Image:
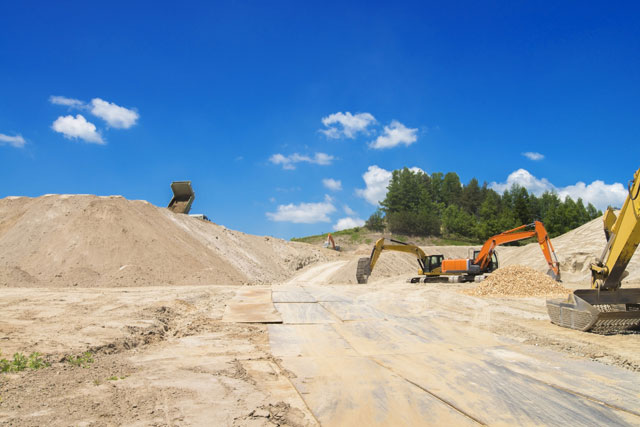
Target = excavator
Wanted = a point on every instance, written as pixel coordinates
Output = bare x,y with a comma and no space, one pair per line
330,243
482,261
606,307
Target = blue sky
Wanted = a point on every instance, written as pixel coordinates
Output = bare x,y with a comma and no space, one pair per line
232,96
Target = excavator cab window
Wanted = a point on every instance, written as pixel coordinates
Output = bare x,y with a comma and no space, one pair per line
493,264
434,261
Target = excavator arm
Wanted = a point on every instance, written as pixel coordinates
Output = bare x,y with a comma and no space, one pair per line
520,233
623,237
366,265
606,306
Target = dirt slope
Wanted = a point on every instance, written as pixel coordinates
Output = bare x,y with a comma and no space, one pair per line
84,240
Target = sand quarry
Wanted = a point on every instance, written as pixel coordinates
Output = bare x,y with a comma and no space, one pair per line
190,323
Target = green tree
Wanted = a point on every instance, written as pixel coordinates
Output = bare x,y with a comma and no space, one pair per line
376,221
471,197
451,189
458,222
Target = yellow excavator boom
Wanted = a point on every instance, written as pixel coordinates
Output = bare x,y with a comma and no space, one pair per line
606,306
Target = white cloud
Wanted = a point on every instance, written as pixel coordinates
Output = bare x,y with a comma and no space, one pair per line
288,162
114,115
598,193
532,155
77,127
395,134
349,211
523,178
349,125
68,102
14,141
344,223
377,181
332,184
416,169
304,213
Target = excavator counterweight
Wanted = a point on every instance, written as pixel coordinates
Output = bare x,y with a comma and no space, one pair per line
605,307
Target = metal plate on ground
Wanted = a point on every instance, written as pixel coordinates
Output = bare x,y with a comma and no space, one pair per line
350,311
495,394
292,295
304,313
251,306
355,391
307,340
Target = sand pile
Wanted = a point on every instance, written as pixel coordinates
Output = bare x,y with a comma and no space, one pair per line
83,240
519,281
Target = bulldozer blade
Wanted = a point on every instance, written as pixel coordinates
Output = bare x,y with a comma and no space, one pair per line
598,311
363,271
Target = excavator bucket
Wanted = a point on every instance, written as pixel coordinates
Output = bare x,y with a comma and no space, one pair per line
553,275
183,196
597,311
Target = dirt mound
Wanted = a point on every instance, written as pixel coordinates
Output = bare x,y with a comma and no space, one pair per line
83,240
519,281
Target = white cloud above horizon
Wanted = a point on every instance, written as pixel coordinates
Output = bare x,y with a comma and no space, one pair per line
332,184
304,213
68,102
532,155
289,162
597,193
393,135
376,180
348,222
346,125
349,211
16,141
77,127
116,116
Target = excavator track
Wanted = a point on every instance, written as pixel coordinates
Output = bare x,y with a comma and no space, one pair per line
363,271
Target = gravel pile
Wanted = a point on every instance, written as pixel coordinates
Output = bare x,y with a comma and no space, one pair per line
520,281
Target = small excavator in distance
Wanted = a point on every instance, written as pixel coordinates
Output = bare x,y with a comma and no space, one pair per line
330,243
606,307
482,261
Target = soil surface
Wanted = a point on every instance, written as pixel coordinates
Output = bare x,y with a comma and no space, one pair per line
145,290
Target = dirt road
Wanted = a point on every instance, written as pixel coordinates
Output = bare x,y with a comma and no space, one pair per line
381,354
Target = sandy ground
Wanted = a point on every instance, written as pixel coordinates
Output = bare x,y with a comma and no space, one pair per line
163,356
146,292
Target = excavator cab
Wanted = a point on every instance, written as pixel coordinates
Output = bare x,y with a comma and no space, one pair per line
433,262
493,262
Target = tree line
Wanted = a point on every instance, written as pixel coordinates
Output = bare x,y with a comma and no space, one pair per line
420,204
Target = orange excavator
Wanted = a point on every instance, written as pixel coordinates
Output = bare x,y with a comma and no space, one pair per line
482,261
485,260
330,243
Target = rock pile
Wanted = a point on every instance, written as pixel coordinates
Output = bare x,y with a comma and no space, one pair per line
518,280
